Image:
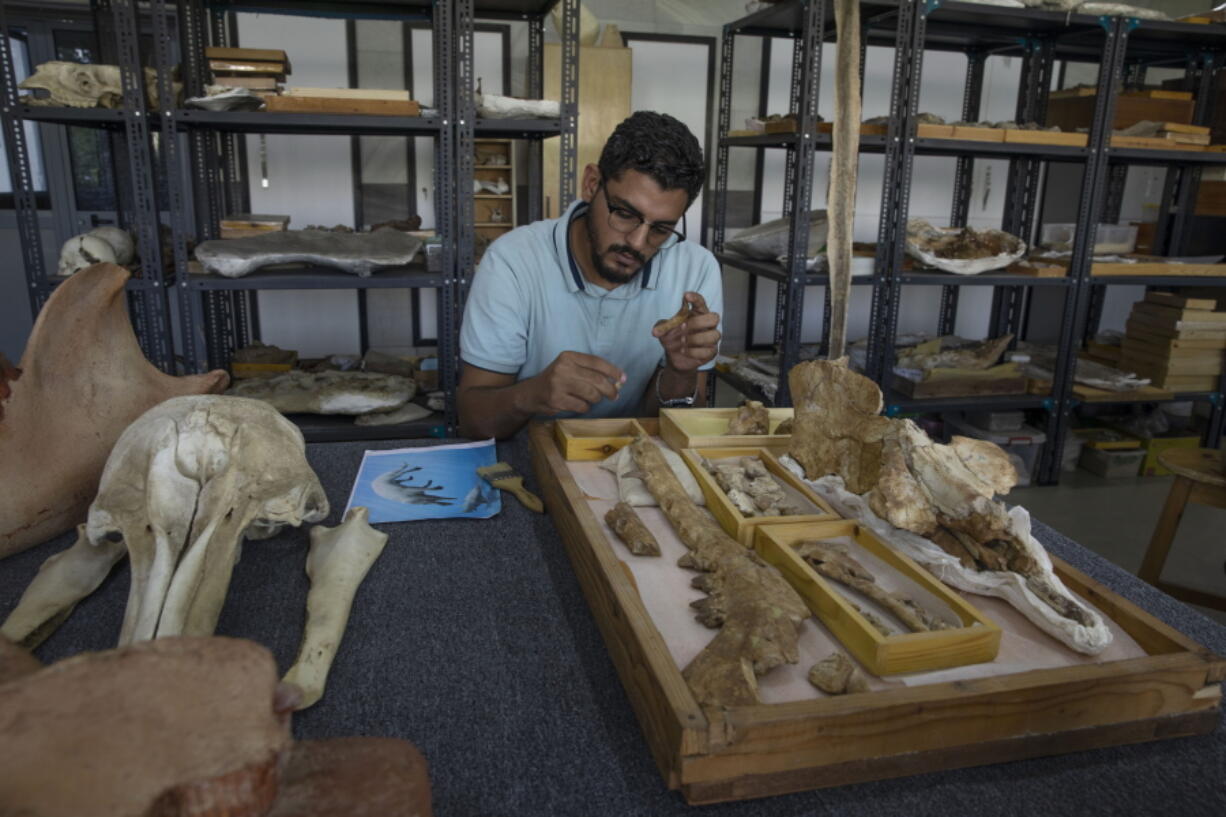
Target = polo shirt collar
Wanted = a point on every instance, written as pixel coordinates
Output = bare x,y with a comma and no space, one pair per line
575,282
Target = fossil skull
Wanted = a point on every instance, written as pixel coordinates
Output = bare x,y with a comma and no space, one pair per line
84,86
103,245
185,483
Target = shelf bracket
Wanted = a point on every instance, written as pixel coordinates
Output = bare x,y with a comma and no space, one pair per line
1049,404
1130,23
893,410
929,7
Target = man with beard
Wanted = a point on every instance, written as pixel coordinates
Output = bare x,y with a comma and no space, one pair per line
562,316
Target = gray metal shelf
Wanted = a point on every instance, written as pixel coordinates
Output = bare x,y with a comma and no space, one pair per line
96,117
517,128
308,123
898,403
1159,280
312,277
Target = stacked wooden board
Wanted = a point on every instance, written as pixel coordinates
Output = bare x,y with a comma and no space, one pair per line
257,69
1176,341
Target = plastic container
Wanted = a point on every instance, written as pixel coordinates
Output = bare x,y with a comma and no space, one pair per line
1112,462
1023,445
1071,454
997,420
1110,239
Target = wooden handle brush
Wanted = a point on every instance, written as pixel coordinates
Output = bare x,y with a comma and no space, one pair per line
503,476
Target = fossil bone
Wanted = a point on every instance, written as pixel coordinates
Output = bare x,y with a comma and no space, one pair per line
329,392
339,560
751,418
834,562
836,675
76,85
757,611
750,487
623,521
935,502
85,380
931,355
62,581
665,325
844,164
359,253
183,486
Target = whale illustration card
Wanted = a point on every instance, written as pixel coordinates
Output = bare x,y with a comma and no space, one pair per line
428,482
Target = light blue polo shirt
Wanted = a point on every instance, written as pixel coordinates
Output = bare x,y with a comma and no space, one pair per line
529,303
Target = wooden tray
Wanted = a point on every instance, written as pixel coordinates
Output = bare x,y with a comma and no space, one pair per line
974,134
737,525
753,751
595,439
975,642
706,427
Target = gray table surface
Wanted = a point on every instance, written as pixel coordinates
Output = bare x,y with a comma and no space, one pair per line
472,639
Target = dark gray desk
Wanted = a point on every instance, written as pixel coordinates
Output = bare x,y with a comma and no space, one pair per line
472,639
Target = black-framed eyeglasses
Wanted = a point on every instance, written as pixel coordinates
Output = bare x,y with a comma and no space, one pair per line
625,221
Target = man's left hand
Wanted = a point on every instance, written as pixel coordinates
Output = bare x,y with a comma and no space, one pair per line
693,343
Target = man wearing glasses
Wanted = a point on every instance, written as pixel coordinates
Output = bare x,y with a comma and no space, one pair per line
561,318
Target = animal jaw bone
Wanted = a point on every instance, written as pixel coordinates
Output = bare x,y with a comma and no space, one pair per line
758,613
182,487
339,560
62,581
75,85
936,502
833,562
84,380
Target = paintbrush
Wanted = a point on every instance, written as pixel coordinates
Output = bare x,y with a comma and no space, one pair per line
503,476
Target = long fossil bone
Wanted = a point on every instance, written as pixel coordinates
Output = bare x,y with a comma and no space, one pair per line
758,613
62,581
845,159
84,380
184,484
339,560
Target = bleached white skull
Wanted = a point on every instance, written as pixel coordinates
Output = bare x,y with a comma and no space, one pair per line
185,483
83,251
85,86
120,241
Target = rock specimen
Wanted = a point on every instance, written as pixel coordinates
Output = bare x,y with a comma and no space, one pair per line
339,560
328,392
405,414
83,380
836,675
751,418
751,487
835,563
124,726
965,250
622,519
890,472
757,611
933,355
359,253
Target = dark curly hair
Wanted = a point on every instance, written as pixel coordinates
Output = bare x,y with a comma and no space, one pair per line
658,145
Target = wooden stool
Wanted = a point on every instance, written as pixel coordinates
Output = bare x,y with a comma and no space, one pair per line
1199,477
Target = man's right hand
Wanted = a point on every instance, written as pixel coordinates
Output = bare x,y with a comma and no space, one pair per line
573,382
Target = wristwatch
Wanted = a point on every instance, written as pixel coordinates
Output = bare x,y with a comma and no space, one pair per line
676,402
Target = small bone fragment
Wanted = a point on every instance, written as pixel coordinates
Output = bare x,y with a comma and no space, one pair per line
622,519
751,418
669,324
875,620
833,562
785,427
339,560
62,581
760,612
836,675
743,502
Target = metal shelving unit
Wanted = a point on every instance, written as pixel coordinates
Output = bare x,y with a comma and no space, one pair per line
1039,38
148,303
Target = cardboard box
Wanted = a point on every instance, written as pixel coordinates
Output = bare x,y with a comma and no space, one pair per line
1156,445
1111,462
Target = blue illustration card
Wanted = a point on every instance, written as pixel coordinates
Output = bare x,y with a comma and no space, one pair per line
432,482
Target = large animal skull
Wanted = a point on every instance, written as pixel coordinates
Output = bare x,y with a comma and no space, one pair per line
84,86
102,245
184,484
